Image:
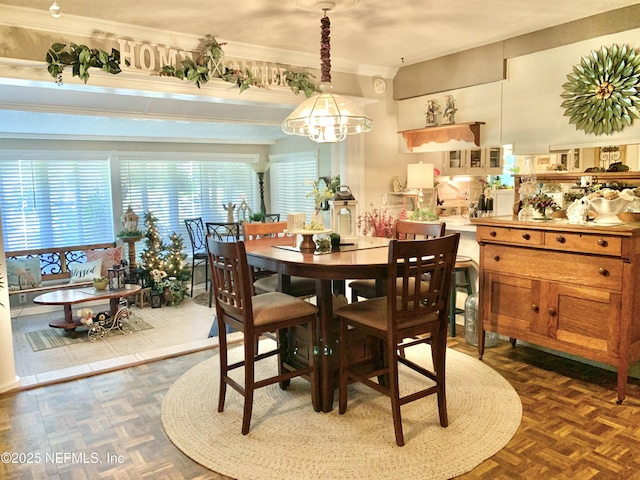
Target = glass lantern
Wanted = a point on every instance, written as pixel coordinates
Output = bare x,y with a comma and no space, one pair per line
344,218
116,277
130,220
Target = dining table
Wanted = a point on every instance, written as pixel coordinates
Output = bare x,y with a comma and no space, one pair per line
364,258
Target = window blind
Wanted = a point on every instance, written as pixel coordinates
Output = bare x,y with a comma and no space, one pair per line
174,189
288,174
61,200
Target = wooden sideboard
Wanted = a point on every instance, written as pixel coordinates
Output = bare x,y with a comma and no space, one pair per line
566,287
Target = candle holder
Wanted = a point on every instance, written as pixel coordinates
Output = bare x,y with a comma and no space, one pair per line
116,277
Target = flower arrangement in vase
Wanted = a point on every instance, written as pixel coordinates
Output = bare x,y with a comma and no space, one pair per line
378,223
543,204
174,290
319,194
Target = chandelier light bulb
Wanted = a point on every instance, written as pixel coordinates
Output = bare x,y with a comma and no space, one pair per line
54,10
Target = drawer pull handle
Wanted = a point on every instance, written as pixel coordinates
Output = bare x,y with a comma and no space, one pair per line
552,312
526,236
492,233
496,258
535,307
602,242
560,239
603,271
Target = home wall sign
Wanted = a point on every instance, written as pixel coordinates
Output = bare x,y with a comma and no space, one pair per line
196,66
151,58
601,95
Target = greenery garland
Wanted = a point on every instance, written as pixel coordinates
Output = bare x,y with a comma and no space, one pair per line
601,96
81,58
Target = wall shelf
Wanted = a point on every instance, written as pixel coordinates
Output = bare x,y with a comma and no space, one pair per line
466,132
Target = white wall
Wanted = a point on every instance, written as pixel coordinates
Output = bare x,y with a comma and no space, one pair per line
481,103
382,159
524,110
532,117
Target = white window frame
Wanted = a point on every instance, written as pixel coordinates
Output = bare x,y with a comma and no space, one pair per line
287,177
55,198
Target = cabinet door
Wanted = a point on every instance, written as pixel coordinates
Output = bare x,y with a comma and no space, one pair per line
454,161
493,161
583,321
474,162
298,350
509,304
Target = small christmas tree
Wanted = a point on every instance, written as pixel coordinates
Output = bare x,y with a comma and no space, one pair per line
174,259
152,254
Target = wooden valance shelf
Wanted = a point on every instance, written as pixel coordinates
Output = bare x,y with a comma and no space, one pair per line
466,132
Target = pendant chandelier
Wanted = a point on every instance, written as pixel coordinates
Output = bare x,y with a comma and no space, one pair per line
326,118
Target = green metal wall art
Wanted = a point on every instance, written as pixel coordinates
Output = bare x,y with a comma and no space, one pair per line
601,95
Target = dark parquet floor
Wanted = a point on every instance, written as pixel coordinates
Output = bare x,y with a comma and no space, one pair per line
109,427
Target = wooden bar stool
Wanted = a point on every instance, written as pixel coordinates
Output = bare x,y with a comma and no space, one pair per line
463,265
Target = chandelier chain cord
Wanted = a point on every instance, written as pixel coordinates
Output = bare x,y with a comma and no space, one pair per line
325,48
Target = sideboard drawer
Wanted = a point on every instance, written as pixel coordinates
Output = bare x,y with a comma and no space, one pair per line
518,236
584,243
589,271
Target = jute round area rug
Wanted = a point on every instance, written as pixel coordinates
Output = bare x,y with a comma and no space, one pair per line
289,440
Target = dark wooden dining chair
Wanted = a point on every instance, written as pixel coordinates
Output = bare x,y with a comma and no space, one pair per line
421,310
197,237
402,229
268,281
271,217
254,315
223,232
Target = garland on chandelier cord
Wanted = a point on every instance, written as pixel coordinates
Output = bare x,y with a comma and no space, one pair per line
325,49
207,66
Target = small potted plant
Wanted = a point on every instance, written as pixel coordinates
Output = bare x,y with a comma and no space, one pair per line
323,245
257,217
335,240
100,283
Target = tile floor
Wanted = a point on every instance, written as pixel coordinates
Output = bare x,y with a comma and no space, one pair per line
176,330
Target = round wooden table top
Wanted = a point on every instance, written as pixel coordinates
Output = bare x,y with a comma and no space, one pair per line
368,258
72,296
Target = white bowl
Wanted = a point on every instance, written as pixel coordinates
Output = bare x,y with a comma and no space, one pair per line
608,210
602,206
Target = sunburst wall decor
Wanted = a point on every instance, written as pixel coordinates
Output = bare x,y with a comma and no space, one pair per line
601,96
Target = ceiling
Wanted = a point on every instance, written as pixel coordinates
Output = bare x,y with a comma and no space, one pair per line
375,33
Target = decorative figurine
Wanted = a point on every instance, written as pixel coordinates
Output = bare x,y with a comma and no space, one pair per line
229,209
244,212
450,110
577,211
433,109
398,186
